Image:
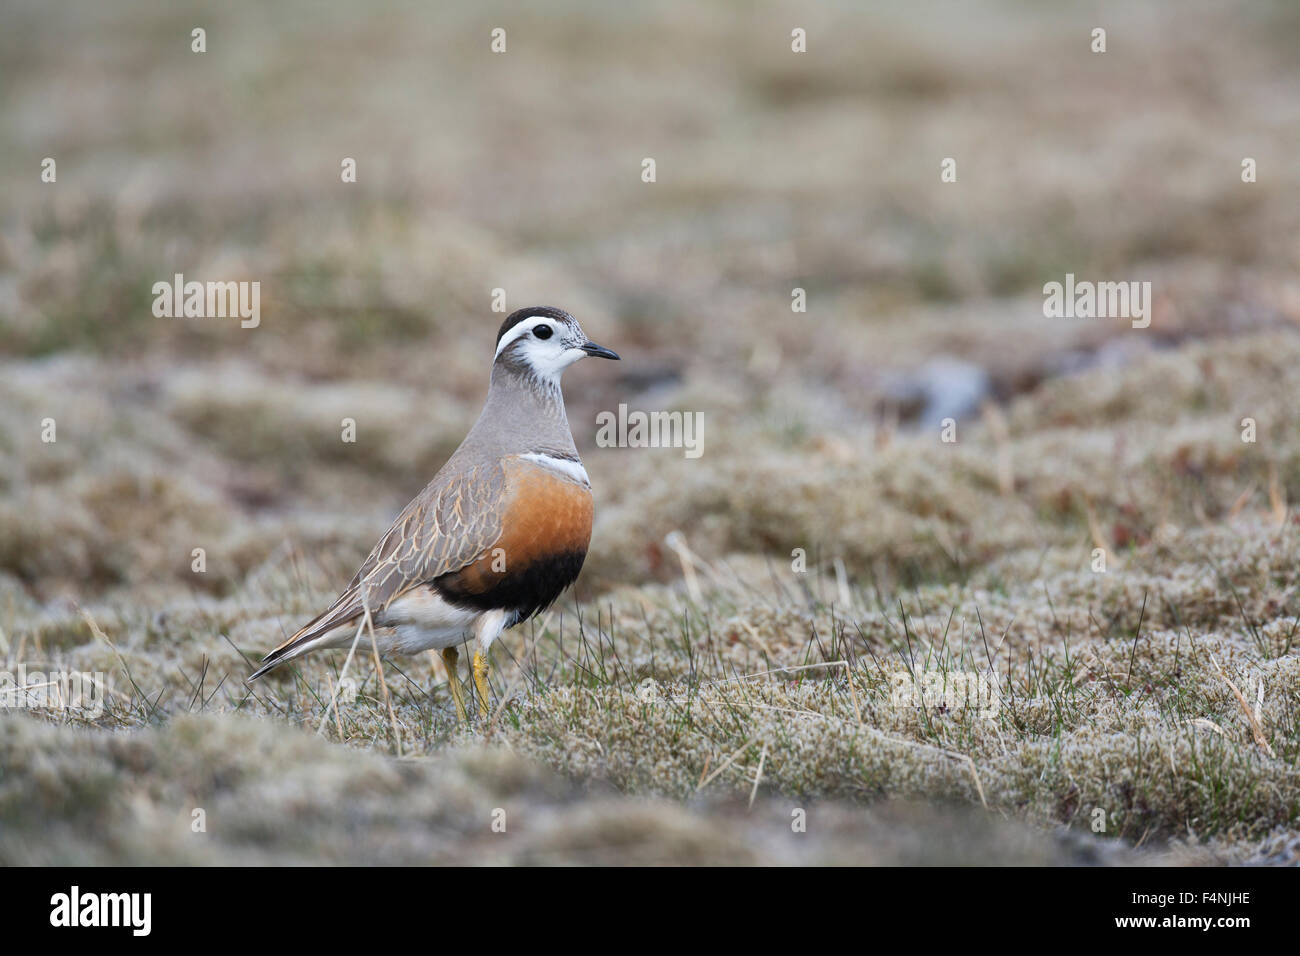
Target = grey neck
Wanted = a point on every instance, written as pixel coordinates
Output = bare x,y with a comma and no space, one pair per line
523,414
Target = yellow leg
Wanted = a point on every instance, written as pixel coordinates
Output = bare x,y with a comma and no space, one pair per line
450,656
481,668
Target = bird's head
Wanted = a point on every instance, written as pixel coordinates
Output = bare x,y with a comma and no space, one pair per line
541,342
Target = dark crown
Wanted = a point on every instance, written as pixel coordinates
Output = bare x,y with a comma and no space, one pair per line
542,311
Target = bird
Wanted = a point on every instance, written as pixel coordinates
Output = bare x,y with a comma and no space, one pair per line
497,535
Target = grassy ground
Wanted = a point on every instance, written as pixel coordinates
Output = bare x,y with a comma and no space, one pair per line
790,622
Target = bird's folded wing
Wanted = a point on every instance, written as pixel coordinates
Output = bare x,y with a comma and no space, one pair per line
450,524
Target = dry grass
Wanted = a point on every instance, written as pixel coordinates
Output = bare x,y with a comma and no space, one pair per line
639,718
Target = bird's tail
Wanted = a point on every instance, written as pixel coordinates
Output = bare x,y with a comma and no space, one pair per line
316,633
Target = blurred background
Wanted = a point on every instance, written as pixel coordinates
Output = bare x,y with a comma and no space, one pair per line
521,171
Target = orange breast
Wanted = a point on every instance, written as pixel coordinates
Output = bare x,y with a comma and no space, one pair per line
547,515
547,524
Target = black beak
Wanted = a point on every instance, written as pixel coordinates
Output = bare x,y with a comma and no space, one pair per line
591,348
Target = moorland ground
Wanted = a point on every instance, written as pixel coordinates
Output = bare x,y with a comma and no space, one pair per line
751,623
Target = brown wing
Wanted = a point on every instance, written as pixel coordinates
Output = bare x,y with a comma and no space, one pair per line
449,525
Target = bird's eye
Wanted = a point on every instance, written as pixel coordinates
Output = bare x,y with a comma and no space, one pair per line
542,331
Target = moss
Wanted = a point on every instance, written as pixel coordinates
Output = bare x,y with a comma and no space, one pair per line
642,707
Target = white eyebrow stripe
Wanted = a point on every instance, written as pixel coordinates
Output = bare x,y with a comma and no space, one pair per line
565,466
518,329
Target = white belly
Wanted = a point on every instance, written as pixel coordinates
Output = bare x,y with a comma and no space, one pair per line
421,620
